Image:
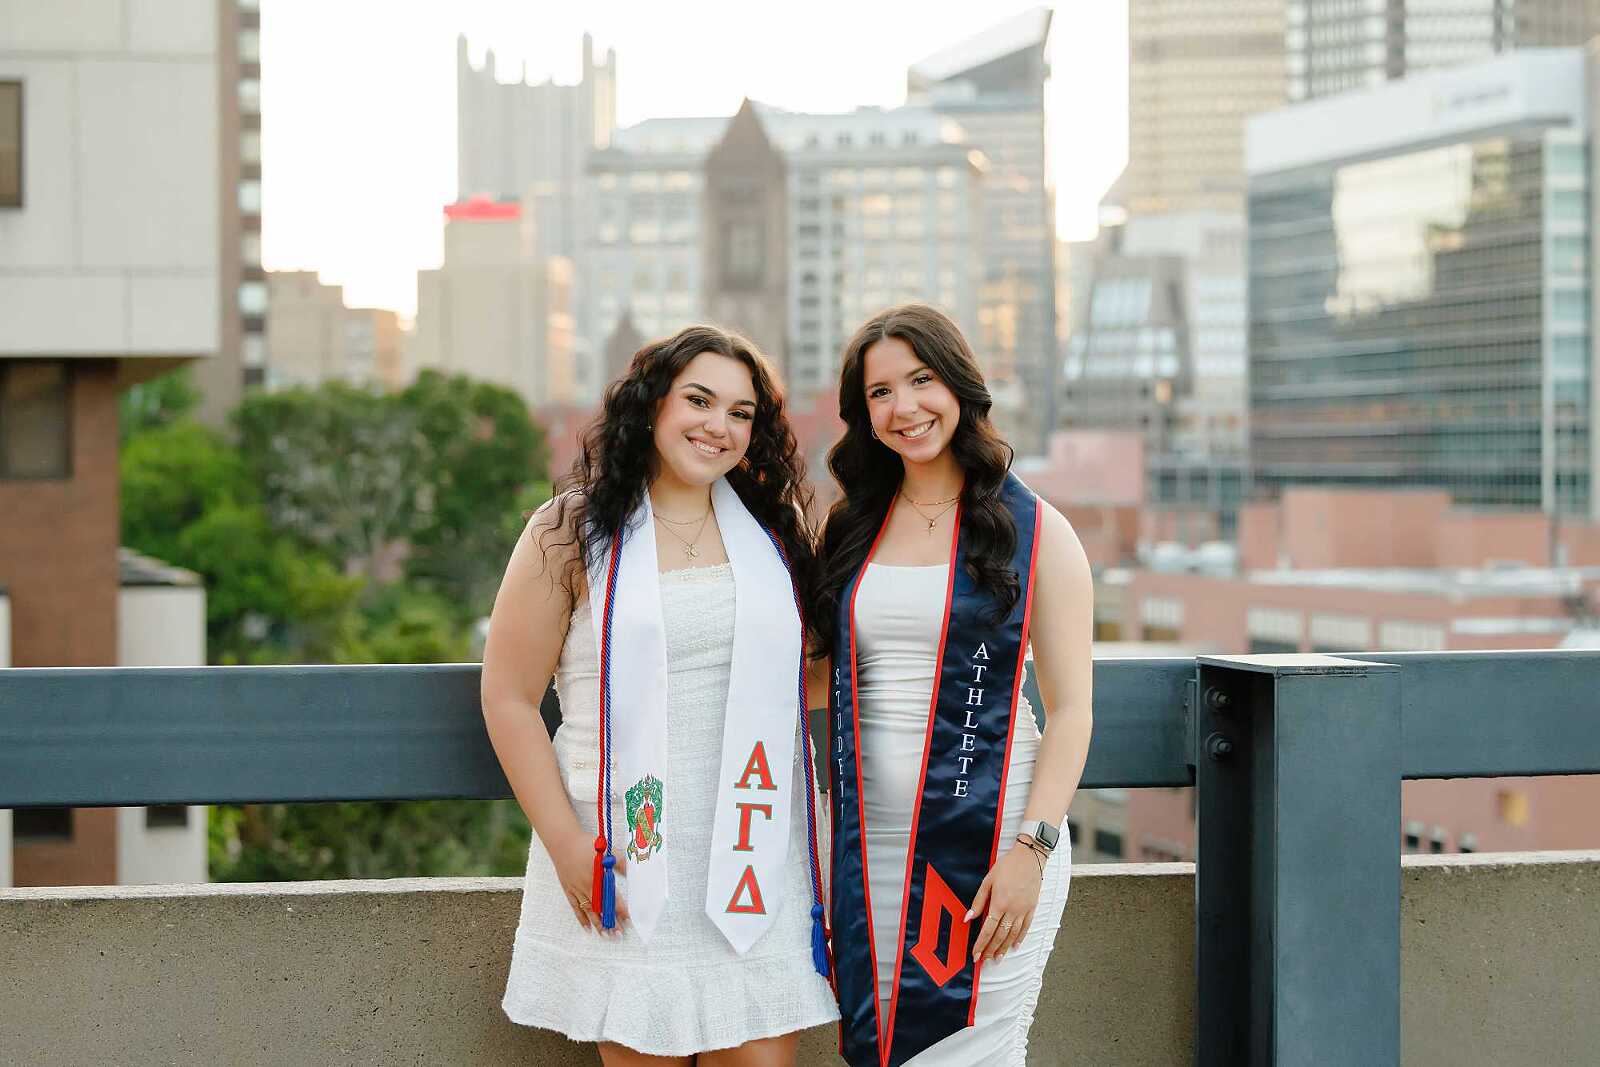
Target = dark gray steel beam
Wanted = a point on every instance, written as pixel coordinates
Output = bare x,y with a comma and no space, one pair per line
1297,939
1498,714
97,736
92,736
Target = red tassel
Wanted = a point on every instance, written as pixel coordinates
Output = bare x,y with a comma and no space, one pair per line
599,888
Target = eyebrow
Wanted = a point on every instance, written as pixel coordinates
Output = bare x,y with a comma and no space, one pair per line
913,372
712,393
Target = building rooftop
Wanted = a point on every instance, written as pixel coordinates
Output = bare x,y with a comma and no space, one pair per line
1026,30
1532,85
142,570
793,130
1456,583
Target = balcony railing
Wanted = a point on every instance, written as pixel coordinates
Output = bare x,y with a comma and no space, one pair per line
1297,761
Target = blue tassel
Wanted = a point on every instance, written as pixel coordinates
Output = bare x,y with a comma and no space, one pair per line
608,895
819,943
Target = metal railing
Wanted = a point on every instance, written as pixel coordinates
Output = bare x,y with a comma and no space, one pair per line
1297,761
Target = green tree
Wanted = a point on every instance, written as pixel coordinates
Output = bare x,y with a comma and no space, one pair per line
304,842
338,468
285,526
172,476
487,464
188,498
155,403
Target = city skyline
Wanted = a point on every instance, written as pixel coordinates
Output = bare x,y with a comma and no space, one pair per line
360,144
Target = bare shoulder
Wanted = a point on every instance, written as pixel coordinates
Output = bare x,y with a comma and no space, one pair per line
550,544
556,515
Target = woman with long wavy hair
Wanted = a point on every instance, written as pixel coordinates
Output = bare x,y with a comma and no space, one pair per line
672,907
938,571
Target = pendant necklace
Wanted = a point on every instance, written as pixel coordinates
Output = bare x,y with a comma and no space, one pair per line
934,519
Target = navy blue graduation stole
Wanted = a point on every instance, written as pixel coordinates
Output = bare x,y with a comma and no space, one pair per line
955,827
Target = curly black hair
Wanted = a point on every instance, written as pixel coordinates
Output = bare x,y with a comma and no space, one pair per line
617,460
869,472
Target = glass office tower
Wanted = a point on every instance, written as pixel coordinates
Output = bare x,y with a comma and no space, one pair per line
1419,288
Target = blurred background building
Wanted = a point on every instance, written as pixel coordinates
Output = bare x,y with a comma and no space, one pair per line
1333,45
530,142
993,84
240,359
496,310
1420,287
315,337
113,232
871,208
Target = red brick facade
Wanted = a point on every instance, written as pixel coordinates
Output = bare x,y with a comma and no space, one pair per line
58,562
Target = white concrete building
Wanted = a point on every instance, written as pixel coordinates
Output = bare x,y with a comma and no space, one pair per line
113,250
161,622
884,206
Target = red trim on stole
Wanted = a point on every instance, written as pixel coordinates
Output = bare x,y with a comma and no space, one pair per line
1011,729
886,1040
861,803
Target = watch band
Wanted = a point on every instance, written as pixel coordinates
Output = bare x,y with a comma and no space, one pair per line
1042,832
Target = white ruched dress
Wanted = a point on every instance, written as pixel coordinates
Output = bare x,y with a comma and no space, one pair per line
686,991
899,611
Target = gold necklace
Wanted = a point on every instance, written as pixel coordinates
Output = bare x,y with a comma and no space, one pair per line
681,522
689,548
948,504
929,503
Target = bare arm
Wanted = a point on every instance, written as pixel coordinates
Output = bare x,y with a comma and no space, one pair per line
1063,661
526,632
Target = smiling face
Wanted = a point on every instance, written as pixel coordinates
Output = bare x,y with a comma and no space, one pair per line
912,411
702,425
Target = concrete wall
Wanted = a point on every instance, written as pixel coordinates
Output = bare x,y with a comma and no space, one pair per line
161,626
1501,965
115,249
148,855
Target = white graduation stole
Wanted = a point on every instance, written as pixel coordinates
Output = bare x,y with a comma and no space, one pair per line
750,835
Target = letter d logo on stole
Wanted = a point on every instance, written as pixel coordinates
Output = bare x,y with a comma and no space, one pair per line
941,909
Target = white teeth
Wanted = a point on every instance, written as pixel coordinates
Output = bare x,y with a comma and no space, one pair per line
916,432
708,450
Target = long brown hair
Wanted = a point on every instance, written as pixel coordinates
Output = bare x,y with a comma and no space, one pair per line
869,472
618,458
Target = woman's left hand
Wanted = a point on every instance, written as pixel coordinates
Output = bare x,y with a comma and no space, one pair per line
1009,893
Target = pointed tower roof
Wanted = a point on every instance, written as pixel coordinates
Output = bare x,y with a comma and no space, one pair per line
620,347
745,140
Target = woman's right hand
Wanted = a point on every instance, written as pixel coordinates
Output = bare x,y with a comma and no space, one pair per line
573,857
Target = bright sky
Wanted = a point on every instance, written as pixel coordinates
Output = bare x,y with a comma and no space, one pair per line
359,121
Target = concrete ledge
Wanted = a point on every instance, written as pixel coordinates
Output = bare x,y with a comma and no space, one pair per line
1500,959
1501,965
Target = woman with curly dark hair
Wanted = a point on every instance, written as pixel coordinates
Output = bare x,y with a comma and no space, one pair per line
672,906
938,570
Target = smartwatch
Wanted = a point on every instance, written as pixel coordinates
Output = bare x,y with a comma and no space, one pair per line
1042,832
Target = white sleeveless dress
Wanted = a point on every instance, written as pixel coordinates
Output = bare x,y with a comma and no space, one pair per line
899,612
687,991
